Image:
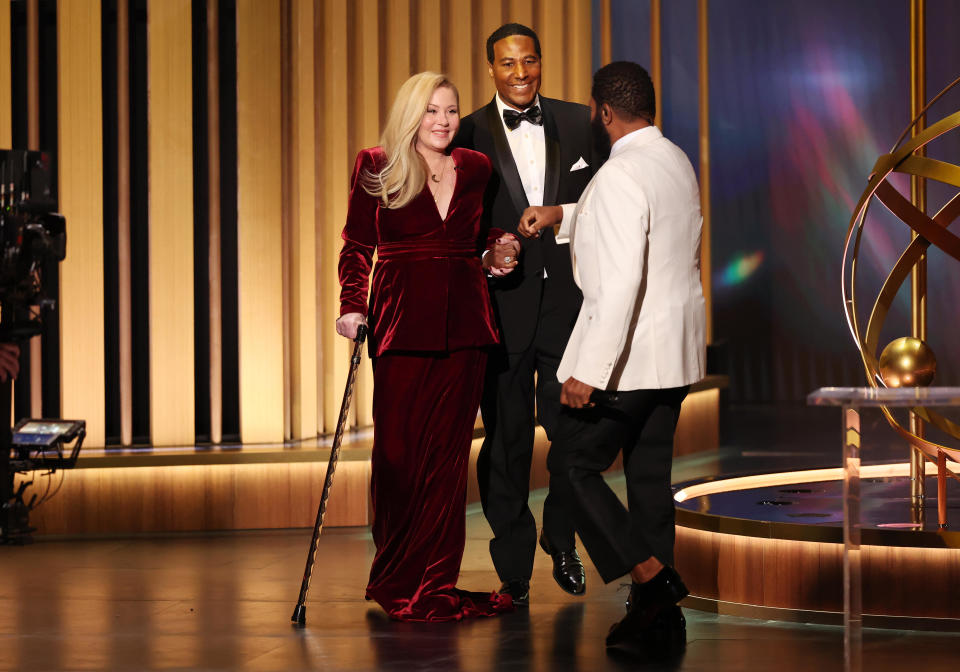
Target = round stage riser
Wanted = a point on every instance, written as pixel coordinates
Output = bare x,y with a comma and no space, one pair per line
808,575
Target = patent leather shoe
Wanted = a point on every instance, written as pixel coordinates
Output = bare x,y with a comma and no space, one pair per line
567,568
664,589
654,622
656,634
518,590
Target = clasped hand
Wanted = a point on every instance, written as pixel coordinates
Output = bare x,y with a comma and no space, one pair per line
502,257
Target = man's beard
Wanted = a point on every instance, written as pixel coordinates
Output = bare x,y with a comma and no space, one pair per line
601,139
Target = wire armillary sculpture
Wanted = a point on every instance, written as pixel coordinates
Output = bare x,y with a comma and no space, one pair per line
902,158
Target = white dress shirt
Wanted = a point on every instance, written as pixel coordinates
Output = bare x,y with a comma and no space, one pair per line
529,151
635,246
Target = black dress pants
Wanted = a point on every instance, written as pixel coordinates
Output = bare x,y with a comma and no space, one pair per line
503,466
588,440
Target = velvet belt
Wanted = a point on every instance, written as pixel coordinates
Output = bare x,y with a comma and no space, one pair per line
425,249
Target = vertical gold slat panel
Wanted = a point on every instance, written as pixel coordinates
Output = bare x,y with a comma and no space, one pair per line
366,99
6,112
320,202
656,48
6,81
579,51
81,201
288,191
259,223
33,74
33,142
549,27
703,77
170,170
606,33
397,53
214,266
429,37
521,11
491,18
461,51
123,261
303,286
335,166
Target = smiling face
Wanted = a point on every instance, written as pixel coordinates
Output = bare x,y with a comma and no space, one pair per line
516,70
440,120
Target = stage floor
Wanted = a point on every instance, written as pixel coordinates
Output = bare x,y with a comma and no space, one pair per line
223,602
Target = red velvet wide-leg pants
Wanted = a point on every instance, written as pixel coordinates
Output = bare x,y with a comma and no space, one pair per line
424,408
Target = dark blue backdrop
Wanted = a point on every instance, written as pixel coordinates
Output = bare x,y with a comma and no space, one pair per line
803,99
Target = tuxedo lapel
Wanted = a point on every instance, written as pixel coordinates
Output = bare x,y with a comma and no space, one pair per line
508,168
551,136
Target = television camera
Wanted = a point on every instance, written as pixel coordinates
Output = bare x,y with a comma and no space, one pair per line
32,240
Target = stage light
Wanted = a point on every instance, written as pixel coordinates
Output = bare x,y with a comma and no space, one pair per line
741,268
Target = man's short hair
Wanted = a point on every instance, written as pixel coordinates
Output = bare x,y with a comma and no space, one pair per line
508,29
627,88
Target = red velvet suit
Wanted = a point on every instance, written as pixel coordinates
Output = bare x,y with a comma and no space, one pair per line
430,320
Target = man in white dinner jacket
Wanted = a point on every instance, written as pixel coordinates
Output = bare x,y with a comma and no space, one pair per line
639,342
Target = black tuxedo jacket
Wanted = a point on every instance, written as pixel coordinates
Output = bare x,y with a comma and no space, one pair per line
568,140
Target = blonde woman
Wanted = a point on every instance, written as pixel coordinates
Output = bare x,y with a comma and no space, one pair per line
431,322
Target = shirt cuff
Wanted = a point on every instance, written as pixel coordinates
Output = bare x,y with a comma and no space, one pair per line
485,270
562,233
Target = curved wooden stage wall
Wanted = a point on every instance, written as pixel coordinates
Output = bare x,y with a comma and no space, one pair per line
774,576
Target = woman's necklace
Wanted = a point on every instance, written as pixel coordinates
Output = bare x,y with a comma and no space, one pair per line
438,180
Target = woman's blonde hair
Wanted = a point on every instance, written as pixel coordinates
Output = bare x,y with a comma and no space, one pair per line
405,173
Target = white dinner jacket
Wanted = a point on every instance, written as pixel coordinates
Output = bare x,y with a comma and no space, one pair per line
635,245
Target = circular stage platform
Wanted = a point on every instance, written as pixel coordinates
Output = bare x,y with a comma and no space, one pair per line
771,546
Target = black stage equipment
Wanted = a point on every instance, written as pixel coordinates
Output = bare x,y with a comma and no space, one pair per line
33,240
300,611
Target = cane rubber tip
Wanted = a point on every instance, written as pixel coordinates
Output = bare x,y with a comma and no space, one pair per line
299,614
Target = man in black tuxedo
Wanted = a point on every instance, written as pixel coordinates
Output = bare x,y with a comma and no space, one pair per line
542,154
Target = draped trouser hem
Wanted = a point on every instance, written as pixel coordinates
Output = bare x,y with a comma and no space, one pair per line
424,409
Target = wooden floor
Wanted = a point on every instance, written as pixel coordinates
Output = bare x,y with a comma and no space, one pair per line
223,602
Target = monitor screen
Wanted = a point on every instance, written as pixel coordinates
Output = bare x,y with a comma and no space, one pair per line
43,432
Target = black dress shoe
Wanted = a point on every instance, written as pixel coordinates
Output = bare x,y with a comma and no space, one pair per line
653,620
567,568
519,590
656,634
665,588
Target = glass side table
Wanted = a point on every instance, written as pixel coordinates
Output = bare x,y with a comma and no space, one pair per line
851,399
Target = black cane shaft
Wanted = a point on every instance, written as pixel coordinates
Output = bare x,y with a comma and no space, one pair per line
299,612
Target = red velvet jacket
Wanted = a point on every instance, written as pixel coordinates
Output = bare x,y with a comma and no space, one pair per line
429,290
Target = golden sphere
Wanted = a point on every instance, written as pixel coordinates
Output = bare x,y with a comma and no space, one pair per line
907,362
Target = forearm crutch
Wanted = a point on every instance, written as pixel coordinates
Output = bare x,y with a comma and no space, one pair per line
300,611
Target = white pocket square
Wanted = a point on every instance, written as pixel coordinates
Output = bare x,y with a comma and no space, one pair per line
579,165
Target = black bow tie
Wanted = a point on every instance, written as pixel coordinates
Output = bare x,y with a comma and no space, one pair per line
512,118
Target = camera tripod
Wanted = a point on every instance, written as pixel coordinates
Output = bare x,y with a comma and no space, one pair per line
14,512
